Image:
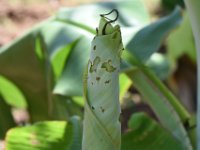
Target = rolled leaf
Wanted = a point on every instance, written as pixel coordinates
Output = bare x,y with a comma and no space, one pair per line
102,129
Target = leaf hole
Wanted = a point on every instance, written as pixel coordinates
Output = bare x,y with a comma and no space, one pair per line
108,66
107,81
94,64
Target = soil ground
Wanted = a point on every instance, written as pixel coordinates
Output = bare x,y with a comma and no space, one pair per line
16,16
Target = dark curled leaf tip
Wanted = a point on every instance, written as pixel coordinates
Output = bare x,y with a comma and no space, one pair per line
110,20
114,10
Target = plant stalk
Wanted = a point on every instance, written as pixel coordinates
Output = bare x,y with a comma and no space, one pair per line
193,8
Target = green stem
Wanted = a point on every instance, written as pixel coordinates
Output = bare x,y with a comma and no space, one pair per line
162,101
193,7
183,113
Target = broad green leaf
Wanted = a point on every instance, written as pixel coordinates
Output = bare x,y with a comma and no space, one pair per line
146,134
20,64
6,119
59,60
47,135
26,62
149,39
69,83
12,94
61,35
101,89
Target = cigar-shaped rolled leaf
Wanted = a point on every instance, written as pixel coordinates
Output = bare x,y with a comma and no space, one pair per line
102,129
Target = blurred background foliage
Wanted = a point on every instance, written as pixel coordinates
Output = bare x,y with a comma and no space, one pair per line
44,51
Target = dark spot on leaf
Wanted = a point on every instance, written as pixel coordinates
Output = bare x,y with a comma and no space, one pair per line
97,31
98,78
107,81
94,48
120,52
102,109
94,65
93,108
108,66
92,83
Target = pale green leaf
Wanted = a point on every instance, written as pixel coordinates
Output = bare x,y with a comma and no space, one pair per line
101,87
149,39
